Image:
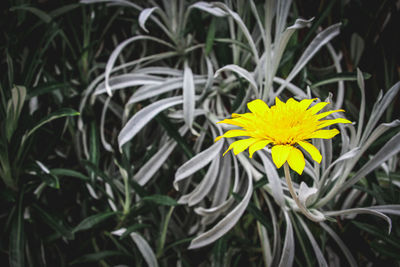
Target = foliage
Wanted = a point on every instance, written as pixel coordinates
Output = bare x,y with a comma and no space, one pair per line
135,176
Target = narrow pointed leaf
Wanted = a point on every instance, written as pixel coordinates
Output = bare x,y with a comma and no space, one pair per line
144,15
188,96
223,226
197,162
144,116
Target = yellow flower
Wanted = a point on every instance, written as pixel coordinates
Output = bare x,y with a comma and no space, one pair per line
285,127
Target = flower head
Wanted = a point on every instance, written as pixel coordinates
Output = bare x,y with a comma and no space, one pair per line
285,127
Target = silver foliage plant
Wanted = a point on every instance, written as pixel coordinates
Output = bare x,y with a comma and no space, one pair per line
193,92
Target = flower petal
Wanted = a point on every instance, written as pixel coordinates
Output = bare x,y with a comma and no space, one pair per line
327,113
330,122
317,107
241,145
305,103
278,103
324,134
296,160
292,102
312,150
280,154
236,121
258,107
257,146
233,133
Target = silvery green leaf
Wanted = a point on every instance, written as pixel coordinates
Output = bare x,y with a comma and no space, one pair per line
361,85
318,253
216,209
145,249
356,48
310,171
348,155
144,15
149,91
210,75
204,187
284,38
142,245
291,87
118,232
391,148
128,80
378,109
206,184
178,114
259,22
336,58
320,40
243,27
273,179
223,226
143,116
306,194
119,2
14,107
362,211
209,8
241,72
146,60
114,55
328,153
276,245
197,162
159,71
282,11
221,190
106,145
41,166
288,247
18,95
381,129
219,204
156,161
33,104
114,107
197,146
265,244
387,209
111,197
188,95
245,161
339,242
91,191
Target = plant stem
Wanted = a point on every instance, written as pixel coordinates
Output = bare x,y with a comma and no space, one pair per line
294,195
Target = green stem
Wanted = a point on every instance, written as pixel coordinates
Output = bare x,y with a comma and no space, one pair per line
294,195
127,203
160,248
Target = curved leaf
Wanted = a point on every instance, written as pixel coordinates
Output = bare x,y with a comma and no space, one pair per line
143,116
197,162
188,96
288,247
144,15
226,223
241,72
